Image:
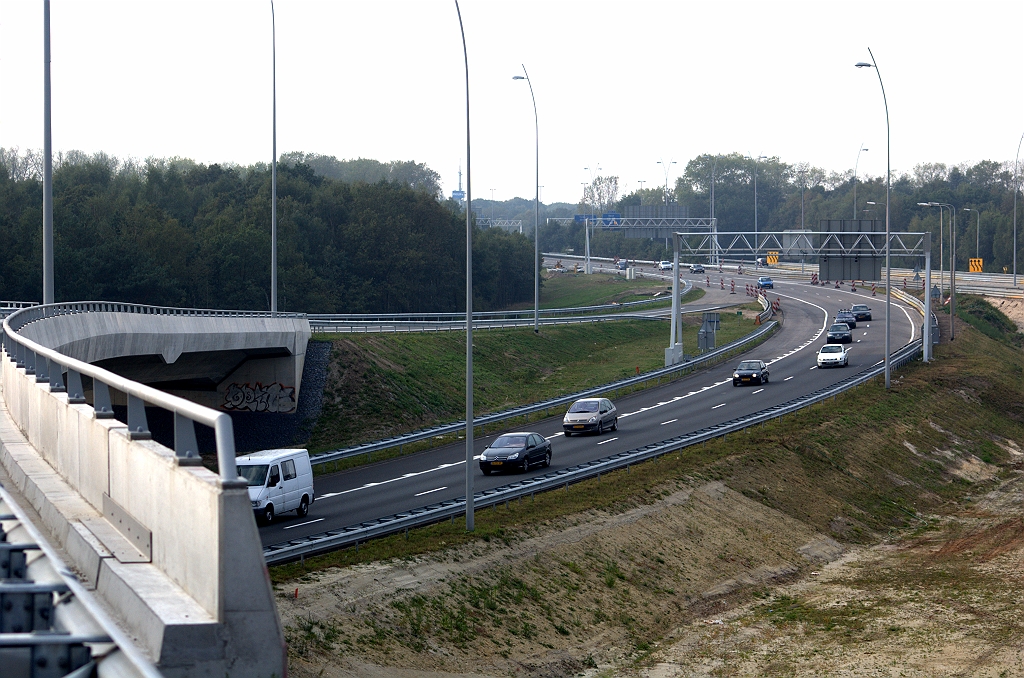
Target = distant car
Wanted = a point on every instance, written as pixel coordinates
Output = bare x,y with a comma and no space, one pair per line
839,334
750,372
623,264
765,283
833,355
861,312
845,316
590,414
664,265
517,451
696,268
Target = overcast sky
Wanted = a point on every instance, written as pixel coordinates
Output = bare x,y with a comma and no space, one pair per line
619,85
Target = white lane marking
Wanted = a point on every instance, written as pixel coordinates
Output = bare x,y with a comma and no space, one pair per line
368,486
668,422
865,334
308,522
757,391
717,406
787,378
561,433
608,441
815,367
438,489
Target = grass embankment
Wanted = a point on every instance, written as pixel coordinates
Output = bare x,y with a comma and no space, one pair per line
380,385
869,464
571,290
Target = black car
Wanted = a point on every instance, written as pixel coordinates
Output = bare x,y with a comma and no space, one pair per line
519,451
839,334
750,372
696,268
844,316
622,264
861,312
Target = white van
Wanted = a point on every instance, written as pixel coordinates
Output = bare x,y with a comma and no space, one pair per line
279,481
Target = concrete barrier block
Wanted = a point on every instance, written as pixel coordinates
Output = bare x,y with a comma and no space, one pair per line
51,413
86,552
68,445
94,470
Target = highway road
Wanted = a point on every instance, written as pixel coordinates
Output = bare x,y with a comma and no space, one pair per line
676,408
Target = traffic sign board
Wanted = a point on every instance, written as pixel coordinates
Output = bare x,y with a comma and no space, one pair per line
976,265
458,195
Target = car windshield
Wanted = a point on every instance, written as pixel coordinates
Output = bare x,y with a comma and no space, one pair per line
861,307
839,328
584,406
832,349
509,441
254,474
749,365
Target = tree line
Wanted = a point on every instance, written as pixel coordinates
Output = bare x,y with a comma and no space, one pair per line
173,232
794,196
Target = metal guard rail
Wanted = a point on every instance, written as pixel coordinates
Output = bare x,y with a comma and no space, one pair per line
335,539
329,326
46,364
423,434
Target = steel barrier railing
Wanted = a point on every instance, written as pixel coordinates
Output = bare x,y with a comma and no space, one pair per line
354,534
423,434
48,366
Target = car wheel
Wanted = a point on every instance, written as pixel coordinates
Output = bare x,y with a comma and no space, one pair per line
766,378
526,464
615,424
268,514
600,427
303,509
486,471
547,459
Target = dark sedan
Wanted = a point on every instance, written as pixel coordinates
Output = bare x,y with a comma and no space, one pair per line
590,414
861,312
519,451
750,372
839,334
845,316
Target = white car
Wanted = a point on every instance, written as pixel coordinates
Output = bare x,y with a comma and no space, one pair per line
833,355
664,265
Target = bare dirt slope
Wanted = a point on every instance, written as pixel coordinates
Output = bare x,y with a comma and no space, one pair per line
1011,308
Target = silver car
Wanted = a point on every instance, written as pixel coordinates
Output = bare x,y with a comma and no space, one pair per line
833,355
590,414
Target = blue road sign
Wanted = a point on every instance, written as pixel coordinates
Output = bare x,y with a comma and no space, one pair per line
458,195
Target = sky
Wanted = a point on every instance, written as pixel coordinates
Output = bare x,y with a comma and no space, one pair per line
619,85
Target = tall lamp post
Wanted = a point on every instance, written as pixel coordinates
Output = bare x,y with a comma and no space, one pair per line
665,167
756,161
1016,188
47,165
536,205
977,235
273,168
855,165
952,257
888,270
469,297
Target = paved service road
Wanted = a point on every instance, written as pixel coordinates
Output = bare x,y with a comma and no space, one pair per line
679,407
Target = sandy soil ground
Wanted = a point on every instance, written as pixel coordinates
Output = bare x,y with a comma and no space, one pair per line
1011,308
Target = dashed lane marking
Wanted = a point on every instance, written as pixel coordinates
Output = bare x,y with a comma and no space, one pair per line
607,441
668,422
308,522
757,391
717,406
436,489
787,378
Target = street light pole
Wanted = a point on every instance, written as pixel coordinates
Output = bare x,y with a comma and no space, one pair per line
273,167
665,167
856,164
1016,187
469,297
47,164
536,205
756,161
888,172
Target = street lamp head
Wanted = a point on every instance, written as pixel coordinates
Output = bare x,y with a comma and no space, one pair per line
871,203
924,204
862,64
518,77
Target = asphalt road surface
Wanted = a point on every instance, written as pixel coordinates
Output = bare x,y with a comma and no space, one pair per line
676,408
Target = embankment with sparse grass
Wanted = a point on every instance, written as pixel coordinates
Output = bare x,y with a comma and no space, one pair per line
599,574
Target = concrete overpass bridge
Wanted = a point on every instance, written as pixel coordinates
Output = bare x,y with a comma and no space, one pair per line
167,547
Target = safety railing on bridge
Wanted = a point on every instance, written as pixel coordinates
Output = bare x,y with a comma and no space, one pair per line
65,375
353,535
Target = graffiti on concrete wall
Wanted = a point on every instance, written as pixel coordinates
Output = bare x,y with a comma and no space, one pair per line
270,398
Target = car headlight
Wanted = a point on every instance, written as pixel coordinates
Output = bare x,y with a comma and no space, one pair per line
592,420
483,456
255,504
514,455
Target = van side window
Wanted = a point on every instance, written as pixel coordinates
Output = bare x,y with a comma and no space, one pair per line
288,466
275,474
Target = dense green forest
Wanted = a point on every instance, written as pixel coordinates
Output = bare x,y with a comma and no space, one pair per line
375,238
784,189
